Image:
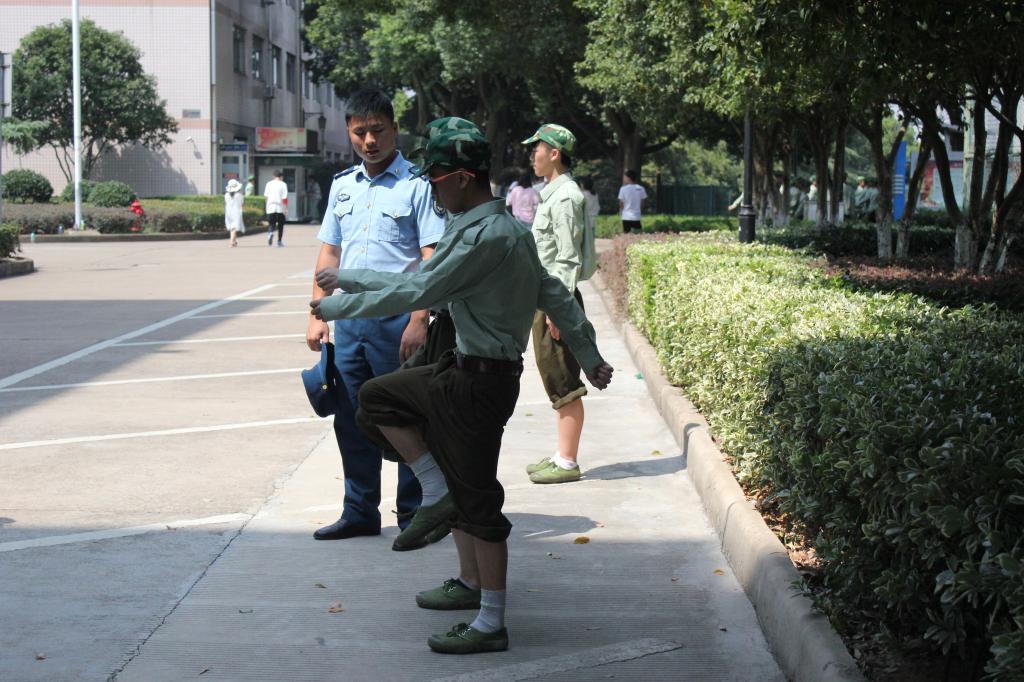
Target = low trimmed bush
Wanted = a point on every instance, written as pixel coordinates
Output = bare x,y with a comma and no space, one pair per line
111,193
177,215
26,186
888,431
68,195
855,239
9,244
49,218
610,225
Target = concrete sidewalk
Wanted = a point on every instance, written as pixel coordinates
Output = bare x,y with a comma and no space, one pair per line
649,597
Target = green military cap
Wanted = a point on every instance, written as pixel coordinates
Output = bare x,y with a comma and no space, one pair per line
437,127
455,143
555,135
861,178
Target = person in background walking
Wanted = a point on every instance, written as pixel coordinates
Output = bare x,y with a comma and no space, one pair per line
591,204
523,199
276,194
233,201
250,186
632,196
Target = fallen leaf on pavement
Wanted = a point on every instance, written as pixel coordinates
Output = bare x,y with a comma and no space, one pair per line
655,453
335,608
204,671
528,414
40,657
719,571
245,610
320,585
639,375
581,540
599,524
675,578
723,628
553,556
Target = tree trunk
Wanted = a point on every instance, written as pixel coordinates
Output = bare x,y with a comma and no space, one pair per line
913,195
968,232
838,176
931,128
875,133
820,143
631,142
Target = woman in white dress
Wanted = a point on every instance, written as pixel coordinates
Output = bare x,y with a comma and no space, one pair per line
233,201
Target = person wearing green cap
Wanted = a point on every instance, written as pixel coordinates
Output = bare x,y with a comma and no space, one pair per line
455,411
559,230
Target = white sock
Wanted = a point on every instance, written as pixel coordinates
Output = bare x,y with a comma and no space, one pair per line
563,462
431,479
492,611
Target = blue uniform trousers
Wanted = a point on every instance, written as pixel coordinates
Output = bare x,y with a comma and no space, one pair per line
367,348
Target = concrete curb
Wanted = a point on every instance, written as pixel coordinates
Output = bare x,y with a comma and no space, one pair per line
16,265
803,641
73,238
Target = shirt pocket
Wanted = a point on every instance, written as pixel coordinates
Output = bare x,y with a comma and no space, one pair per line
343,216
394,223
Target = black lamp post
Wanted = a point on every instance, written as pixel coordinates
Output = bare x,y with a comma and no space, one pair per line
746,213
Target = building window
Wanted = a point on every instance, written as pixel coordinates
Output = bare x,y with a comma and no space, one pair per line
317,92
257,58
238,49
289,72
305,81
275,66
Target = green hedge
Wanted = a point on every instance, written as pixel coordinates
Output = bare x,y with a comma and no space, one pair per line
213,201
9,244
27,186
111,193
610,225
48,218
192,215
68,194
891,442
856,239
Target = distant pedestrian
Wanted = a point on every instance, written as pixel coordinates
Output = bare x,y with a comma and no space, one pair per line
632,196
250,186
871,196
276,195
523,199
591,204
233,202
859,196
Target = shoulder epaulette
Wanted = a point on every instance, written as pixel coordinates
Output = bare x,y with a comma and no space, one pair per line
344,172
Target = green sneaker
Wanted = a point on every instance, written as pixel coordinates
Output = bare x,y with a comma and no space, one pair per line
451,596
532,468
463,639
553,473
425,525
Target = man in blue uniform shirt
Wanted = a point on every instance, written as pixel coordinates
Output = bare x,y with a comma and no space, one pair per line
379,216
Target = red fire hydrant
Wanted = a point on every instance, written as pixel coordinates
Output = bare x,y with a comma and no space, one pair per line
136,208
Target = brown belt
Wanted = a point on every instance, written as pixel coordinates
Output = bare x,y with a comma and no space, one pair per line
479,365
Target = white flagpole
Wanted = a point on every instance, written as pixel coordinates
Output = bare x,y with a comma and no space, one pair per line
76,90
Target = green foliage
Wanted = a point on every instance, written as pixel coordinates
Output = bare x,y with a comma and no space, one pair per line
865,420
122,106
48,218
26,186
691,162
23,136
609,226
195,214
111,193
9,244
854,239
68,194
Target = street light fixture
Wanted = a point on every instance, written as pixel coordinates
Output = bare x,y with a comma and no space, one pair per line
746,214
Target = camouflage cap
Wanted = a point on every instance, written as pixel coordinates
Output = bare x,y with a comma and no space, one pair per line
555,135
435,128
455,143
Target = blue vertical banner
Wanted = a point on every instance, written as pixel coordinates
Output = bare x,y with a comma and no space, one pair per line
899,181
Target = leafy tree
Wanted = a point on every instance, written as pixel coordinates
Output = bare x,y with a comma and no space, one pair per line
119,100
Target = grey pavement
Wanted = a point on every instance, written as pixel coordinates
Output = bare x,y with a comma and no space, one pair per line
246,593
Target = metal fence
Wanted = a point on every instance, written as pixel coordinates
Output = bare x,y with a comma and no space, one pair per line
692,199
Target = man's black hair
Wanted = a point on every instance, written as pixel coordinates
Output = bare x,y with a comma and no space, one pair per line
566,159
279,174
367,102
631,174
526,179
587,183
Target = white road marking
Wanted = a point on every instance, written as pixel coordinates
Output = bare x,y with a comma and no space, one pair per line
89,350
591,658
540,532
153,434
217,340
92,536
184,377
280,312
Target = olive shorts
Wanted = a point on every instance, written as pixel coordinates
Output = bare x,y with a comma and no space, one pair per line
559,371
462,416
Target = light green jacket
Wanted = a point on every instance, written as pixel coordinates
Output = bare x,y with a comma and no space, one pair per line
486,268
558,229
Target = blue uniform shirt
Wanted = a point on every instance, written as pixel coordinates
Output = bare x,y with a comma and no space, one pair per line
383,222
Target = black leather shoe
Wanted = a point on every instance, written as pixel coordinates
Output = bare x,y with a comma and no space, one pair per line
343,529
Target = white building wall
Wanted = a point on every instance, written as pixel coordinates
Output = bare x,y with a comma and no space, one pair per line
173,37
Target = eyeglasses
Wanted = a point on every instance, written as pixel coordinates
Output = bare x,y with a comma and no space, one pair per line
448,175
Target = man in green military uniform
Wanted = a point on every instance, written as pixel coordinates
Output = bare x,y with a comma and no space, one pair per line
558,230
453,413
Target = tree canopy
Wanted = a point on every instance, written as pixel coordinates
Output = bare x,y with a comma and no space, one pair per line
120,105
